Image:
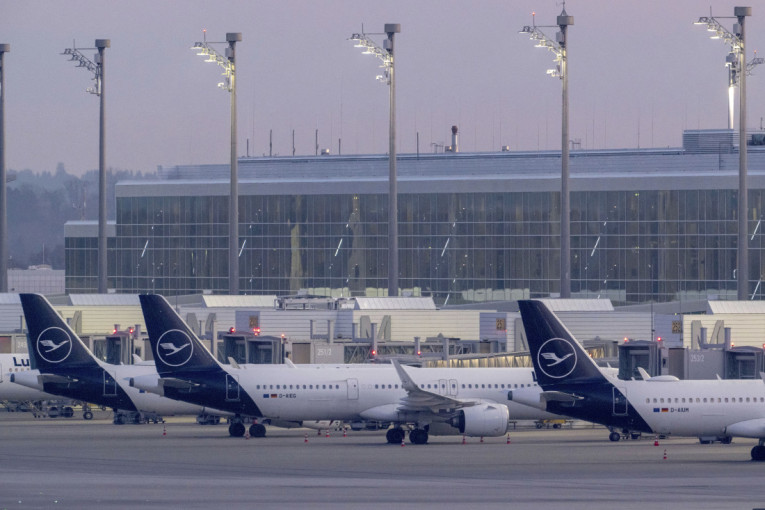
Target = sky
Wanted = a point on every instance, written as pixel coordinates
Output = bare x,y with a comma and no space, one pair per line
640,72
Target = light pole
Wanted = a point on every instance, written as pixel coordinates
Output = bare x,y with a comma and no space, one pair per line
559,48
97,68
736,41
227,62
732,59
385,54
4,48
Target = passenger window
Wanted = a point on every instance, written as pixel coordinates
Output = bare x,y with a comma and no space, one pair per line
648,401
377,386
523,385
324,386
661,400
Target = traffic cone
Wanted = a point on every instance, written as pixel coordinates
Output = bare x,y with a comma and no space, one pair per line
306,437
327,433
402,442
656,441
482,439
247,434
665,454
463,439
508,439
164,430
345,432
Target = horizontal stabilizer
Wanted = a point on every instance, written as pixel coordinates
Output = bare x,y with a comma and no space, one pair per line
172,382
559,396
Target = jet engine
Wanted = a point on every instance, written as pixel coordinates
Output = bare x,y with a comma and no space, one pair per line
482,420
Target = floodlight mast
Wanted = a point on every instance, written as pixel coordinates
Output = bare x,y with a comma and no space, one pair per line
386,55
98,70
4,48
560,49
228,63
738,69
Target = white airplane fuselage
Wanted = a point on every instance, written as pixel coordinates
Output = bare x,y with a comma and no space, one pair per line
13,364
699,407
348,392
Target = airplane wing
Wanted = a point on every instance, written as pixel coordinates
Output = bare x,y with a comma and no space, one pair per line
418,399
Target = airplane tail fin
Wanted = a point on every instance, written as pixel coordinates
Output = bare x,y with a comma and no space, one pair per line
52,344
557,356
174,346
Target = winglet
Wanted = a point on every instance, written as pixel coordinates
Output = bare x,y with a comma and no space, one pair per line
406,382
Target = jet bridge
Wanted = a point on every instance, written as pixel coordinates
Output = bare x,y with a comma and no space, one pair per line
248,348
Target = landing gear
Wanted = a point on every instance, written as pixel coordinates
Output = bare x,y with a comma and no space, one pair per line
87,415
257,430
236,429
418,436
395,435
614,436
758,452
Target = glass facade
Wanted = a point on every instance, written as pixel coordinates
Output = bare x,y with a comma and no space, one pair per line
81,260
629,246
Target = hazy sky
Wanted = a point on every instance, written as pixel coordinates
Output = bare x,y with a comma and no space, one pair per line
640,72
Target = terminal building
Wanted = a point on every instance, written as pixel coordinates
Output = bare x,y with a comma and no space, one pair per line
646,225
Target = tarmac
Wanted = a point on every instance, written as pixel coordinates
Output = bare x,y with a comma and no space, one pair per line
71,463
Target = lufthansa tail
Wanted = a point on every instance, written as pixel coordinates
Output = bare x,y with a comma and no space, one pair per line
557,356
50,339
175,347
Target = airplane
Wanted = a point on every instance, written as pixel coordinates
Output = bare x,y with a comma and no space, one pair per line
574,386
11,364
432,400
62,365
